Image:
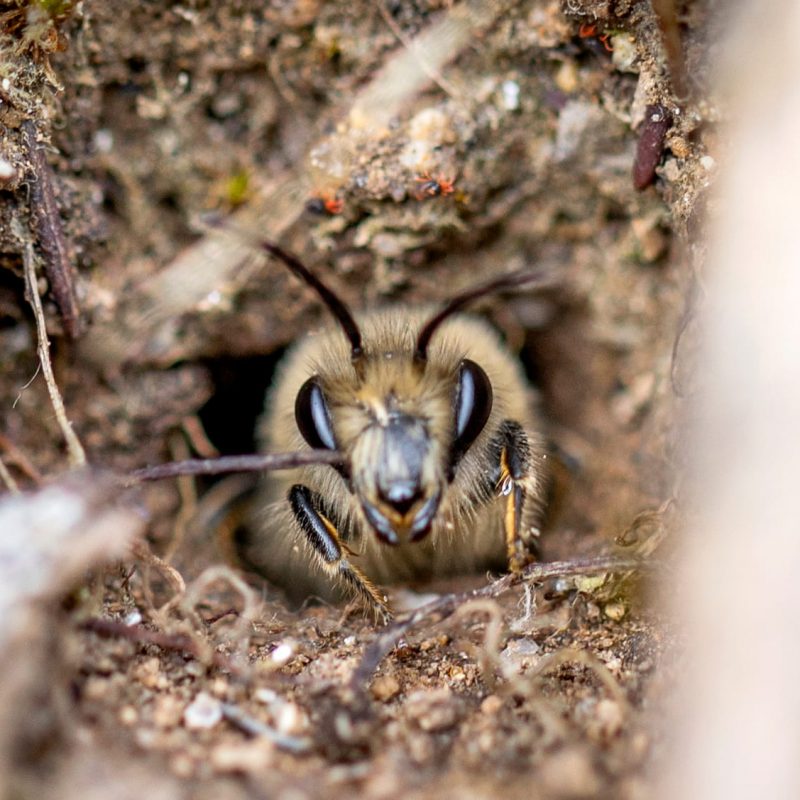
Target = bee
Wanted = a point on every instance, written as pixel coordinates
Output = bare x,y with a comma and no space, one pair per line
443,463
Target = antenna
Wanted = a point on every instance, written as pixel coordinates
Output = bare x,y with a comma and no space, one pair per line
509,281
335,305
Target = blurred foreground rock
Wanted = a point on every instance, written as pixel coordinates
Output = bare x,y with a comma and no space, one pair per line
50,539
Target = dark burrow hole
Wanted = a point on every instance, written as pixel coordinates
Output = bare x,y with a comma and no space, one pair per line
12,298
231,415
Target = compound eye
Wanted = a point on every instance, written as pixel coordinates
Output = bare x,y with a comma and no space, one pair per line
313,417
473,404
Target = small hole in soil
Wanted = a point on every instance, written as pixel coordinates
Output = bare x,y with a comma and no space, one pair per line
530,362
230,416
12,298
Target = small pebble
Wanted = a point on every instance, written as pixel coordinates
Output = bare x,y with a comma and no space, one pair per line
265,696
202,713
457,674
291,720
569,774
95,688
133,617
491,705
421,748
433,709
182,766
566,77
128,716
510,91
650,240
148,673
103,141
282,654
624,54
146,738
83,735
428,130
708,163
519,654
167,711
385,687
245,757
634,789
7,171
589,583
194,669
609,717
671,170
639,745
226,104
613,664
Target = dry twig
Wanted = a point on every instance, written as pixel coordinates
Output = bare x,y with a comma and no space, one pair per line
488,654
666,14
588,660
77,456
254,727
187,490
177,643
19,459
8,478
220,466
141,550
46,217
412,45
198,438
199,588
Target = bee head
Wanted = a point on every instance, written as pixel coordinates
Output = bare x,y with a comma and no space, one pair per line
403,431
403,423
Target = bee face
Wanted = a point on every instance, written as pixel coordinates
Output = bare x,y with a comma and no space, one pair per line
403,431
442,467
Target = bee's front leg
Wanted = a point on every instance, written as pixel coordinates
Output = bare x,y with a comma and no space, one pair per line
323,537
521,483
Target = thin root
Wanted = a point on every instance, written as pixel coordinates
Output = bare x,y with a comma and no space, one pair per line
8,478
77,455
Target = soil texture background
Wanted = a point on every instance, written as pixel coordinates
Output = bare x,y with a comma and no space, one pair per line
405,151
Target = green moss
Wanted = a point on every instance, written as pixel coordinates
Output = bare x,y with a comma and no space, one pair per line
55,8
237,187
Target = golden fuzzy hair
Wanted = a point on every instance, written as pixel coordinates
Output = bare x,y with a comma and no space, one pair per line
468,531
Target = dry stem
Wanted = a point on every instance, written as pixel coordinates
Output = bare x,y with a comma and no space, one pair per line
77,456
8,478
219,466
138,633
20,460
47,220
